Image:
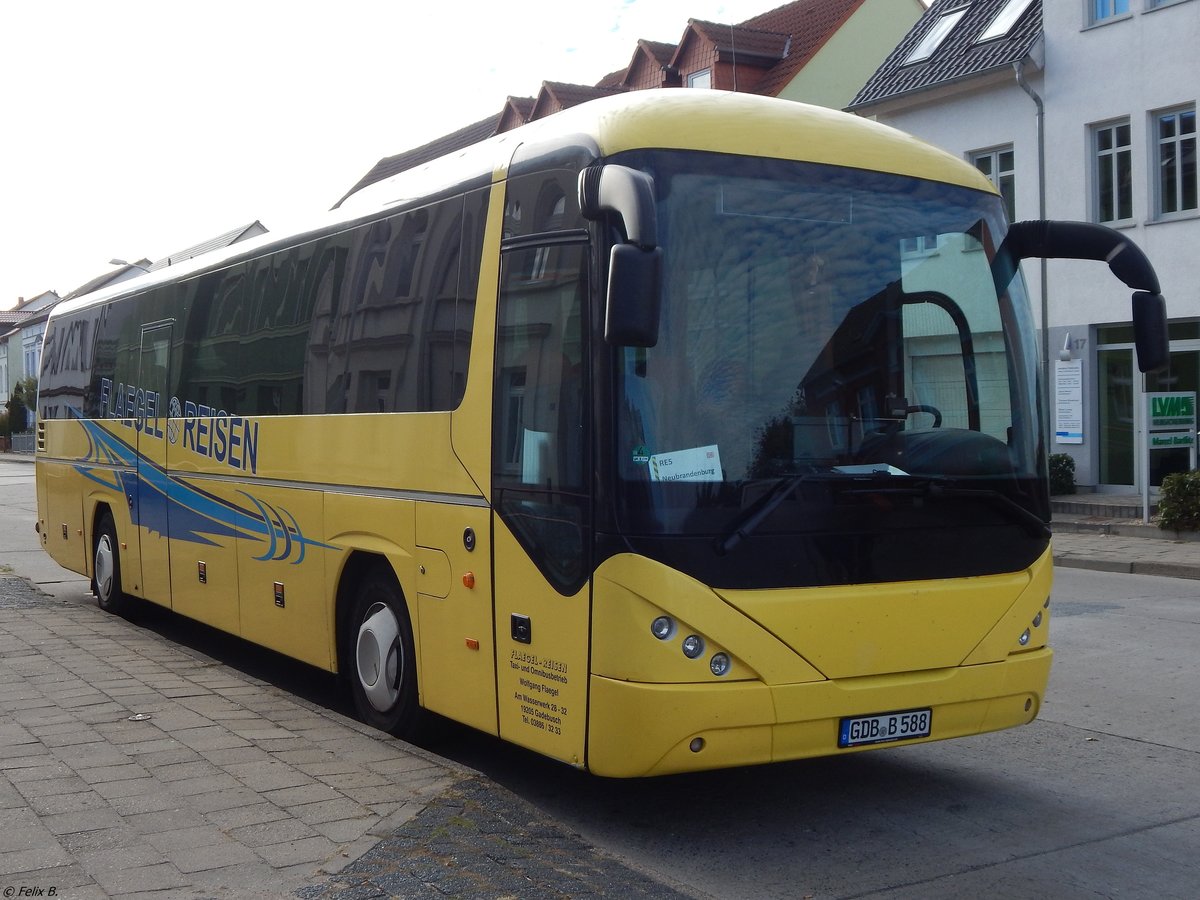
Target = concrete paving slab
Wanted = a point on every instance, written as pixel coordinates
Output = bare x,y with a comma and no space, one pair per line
146,796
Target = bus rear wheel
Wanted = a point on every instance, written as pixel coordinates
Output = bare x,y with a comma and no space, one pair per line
381,661
106,568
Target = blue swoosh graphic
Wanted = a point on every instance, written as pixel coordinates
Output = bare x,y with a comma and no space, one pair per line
168,505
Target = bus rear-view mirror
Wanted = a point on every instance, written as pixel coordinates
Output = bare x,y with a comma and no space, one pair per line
634,296
1046,239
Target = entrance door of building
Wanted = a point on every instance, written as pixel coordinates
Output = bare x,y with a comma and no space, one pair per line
1121,417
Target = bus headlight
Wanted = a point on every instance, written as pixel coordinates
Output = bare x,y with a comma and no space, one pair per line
693,646
719,664
662,627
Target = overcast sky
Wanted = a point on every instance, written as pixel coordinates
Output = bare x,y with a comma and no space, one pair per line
134,129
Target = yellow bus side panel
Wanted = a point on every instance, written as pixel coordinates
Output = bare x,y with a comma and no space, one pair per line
469,423
542,685
64,535
395,451
381,526
152,511
204,569
458,650
59,492
281,573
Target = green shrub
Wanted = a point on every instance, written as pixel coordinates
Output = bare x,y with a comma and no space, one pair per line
1179,502
1062,474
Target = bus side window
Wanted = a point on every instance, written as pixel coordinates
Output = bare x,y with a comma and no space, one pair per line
402,339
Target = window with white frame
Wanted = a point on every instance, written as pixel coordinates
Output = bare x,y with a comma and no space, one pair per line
1113,160
1004,20
934,37
1000,168
1175,134
31,350
1108,9
701,79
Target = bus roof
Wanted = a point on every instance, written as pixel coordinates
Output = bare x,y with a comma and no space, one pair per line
706,120
671,119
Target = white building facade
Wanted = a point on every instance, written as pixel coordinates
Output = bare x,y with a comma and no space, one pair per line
1081,110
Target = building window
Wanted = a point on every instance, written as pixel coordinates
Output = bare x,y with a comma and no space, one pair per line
1004,20
1176,136
1108,9
934,37
922,245
702,79
999,166
1114,172
31,349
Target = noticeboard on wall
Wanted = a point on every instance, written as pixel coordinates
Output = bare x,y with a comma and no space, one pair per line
1068,401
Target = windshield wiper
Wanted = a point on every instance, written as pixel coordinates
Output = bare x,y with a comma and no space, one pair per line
877,481
946,490
748,522
1030,521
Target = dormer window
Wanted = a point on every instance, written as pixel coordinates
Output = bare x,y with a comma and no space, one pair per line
701,79
934,37
1004,20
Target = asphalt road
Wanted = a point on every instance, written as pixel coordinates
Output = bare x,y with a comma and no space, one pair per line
1100,797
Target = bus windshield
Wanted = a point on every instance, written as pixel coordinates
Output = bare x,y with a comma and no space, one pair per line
823,331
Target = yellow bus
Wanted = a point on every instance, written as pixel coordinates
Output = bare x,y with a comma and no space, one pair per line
675,431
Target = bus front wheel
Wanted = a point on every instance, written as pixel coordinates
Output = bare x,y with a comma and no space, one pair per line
382,662
106,568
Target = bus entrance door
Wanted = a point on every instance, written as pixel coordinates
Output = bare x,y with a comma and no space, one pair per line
150,426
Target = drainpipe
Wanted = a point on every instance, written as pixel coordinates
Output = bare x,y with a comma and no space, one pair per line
1019,68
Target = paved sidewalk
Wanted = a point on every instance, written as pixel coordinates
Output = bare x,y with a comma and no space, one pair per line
1106,533
1115,552
131,766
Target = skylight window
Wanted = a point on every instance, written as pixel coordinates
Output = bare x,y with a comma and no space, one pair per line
1004,20
934,37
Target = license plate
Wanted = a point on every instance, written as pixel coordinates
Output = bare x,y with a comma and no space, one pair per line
885,727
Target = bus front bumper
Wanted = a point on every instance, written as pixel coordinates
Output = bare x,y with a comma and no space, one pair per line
640,729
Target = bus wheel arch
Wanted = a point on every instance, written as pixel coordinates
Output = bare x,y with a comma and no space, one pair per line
376,647
106,563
